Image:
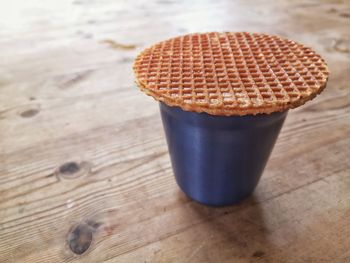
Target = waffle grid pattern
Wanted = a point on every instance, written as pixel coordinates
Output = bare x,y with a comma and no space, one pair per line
231,73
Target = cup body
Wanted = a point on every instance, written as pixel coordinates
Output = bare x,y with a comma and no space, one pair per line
218,160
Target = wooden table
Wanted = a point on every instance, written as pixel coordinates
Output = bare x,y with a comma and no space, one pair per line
84,169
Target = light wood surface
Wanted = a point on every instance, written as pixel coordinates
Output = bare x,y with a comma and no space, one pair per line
84,169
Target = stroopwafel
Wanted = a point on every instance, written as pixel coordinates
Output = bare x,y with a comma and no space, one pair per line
231,73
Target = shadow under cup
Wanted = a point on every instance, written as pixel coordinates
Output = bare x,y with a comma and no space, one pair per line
218,160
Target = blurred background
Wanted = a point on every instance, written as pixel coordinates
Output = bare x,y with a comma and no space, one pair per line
84,170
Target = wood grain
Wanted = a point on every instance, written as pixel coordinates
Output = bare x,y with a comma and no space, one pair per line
84,169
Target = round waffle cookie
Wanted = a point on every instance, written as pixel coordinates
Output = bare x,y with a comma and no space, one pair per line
231,73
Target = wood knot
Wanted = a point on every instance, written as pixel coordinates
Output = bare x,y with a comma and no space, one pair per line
72,170
69,168
346,15
29,111
79,238
258,254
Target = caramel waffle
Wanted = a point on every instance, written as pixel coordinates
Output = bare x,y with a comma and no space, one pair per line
231,73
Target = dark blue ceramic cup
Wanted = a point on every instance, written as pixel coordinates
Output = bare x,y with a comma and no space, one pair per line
218,160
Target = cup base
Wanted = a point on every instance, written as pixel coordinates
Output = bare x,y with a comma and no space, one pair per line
218,204
218,160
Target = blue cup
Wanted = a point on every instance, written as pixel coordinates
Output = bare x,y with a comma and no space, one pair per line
218,160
